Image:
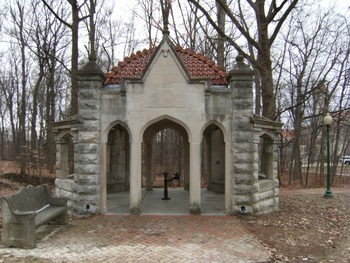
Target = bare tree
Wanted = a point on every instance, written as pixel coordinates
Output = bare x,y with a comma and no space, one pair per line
47,35
17,31
309,70
190,24
267,30
8,98
74,27
220,48
150,15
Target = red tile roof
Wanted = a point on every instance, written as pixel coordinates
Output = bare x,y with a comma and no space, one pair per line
197,65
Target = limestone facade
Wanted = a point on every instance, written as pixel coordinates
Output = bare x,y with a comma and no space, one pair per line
112,137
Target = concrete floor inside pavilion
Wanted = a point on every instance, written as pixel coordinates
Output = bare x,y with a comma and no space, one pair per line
152,203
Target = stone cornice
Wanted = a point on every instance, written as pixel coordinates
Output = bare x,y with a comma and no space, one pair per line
259,120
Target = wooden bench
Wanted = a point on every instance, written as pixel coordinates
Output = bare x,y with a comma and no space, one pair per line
27,209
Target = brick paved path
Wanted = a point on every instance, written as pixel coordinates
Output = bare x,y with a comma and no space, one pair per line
143,239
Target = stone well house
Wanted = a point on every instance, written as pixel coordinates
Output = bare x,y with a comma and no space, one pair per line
167,87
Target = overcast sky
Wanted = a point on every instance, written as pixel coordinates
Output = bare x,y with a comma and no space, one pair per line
123,7
122,10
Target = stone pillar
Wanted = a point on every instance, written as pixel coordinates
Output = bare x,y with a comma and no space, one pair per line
61,158
88,163
187,166
135,177
209,162
195,177
228,178
103,178
109,146
244,183
148,164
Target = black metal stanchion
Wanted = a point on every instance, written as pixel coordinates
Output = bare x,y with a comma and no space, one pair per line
166,181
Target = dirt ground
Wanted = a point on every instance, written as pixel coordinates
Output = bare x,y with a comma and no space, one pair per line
308,227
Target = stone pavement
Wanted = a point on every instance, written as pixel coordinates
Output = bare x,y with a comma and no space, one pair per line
143,238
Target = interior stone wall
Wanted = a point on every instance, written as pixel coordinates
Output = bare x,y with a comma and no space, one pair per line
117,173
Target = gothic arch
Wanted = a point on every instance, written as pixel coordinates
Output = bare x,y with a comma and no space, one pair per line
213,158
115,174
104,136
265,157
220,125
149,151
166,118
66,149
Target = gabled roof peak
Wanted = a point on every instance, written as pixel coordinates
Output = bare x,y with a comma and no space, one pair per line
197,65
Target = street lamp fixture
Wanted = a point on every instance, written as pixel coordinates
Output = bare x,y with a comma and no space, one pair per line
327,121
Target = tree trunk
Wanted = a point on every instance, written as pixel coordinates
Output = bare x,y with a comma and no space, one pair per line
22,114
50,113
75,57
220,49
33,132
264,59
339,127
257,83
268,97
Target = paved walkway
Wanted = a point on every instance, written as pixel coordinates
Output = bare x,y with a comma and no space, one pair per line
146,238
149,238
164,232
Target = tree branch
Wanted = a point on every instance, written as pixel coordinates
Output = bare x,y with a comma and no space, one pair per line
55,14
281,20
226,37
237,23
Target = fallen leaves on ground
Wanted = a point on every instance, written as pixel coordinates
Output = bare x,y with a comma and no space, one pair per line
307,227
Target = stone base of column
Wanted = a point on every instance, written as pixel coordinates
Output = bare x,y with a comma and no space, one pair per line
195,209
135,211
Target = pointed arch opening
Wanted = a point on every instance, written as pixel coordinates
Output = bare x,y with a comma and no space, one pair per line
165,148
213,168
265,157
67,156
118,169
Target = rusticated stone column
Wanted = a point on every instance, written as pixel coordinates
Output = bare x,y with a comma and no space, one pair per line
244,183
88,170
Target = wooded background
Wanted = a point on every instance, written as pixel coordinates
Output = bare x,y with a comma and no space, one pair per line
299,51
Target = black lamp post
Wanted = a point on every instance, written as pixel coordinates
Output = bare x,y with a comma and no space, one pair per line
327,121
